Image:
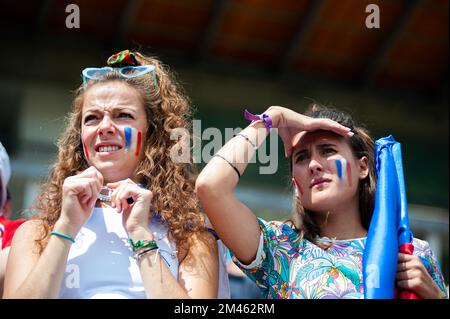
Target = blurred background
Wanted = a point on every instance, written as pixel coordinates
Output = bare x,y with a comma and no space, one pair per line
236,54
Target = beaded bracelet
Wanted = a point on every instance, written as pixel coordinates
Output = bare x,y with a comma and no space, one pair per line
248,140
138,255
141,245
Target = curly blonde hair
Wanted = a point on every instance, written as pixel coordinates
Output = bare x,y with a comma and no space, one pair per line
172,184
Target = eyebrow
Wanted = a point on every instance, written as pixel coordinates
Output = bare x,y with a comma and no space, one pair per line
113,109
323,145
327,145
299,152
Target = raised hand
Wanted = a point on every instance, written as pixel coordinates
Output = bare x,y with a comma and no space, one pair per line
134,202
79,194
290,123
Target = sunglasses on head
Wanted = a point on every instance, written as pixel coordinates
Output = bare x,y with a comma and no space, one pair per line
127,72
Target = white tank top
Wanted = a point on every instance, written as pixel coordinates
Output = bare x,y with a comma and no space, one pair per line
101,264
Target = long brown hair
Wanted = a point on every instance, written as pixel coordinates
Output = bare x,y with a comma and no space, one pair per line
361,144
172,184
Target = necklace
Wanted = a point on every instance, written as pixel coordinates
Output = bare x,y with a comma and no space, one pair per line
105,194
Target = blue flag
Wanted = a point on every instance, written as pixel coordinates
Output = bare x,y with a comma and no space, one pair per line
389,227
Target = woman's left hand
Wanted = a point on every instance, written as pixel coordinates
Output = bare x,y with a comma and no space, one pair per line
412,275
134,202
289,123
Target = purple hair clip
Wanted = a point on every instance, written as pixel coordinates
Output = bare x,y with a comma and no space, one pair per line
256,117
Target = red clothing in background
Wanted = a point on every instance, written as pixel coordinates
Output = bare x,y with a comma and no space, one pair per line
7,230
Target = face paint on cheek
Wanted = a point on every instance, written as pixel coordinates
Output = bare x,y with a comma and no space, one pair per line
343,170
85,150
133,140
86,154
349,174
138,143
338,164
128,131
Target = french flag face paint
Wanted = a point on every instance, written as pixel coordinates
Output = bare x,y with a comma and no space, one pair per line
86,153
344,170
133,140
85,150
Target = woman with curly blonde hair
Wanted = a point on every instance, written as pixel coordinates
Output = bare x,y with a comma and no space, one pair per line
117,217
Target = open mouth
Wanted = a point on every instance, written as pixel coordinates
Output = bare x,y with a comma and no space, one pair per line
107,148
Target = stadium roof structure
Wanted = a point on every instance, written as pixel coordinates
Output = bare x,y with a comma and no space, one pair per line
324,38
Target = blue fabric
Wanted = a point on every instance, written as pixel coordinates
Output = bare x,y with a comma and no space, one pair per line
404,234
389,227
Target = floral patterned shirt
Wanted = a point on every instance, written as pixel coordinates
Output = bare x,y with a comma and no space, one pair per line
290,267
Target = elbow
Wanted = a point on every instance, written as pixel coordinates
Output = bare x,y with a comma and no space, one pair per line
208,189
203,187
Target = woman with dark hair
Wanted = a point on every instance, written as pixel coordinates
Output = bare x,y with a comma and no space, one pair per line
318,253
117,217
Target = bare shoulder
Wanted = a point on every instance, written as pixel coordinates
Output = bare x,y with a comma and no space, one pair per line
30,227
28,232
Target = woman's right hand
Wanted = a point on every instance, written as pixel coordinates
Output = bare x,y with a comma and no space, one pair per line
79,194
290,123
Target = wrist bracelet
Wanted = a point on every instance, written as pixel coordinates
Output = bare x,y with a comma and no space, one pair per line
141,245
229,163
248,140
267,120
63,236
145,251
138,256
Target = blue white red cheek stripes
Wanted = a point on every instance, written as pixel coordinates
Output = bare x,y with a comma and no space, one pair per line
344,170
86,154
133,139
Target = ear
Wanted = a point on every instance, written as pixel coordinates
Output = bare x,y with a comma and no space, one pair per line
363,166
298,188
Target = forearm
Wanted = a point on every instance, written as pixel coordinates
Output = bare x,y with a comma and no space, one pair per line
44,280
218,175
157,278
234,222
